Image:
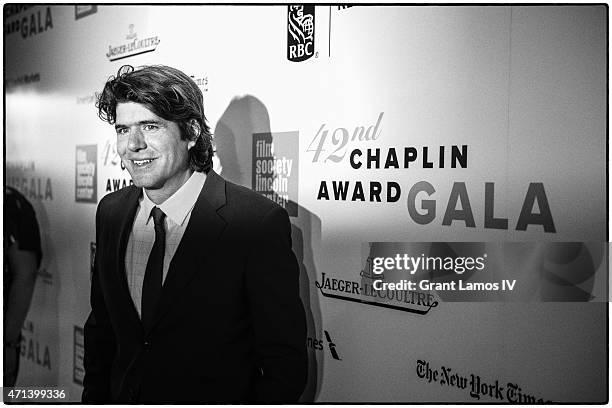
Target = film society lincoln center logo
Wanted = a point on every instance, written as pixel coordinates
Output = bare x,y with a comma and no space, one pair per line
300,32
86,177
275,168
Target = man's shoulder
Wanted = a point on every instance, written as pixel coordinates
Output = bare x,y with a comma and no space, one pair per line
250,209
117,198
248,200
15,203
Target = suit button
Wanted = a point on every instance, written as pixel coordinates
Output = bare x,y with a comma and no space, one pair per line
147,345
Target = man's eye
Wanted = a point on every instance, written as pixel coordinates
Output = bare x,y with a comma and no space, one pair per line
149,127
122,131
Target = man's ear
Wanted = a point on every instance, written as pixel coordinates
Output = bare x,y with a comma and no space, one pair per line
196,129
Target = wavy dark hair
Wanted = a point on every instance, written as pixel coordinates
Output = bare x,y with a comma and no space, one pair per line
168,93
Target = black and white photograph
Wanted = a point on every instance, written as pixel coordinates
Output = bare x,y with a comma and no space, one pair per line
306,203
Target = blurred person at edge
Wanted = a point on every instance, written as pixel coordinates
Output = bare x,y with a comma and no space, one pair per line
22,256
194,294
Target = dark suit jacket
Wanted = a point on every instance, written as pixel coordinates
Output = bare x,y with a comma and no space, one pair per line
230,326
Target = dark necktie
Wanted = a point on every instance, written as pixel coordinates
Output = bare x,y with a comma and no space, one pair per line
152,285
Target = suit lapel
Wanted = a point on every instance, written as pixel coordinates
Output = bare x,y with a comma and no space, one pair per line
203,231
124,219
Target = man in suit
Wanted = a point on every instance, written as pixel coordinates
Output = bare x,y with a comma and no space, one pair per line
195,292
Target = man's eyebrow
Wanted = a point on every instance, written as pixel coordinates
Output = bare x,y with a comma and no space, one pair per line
142,122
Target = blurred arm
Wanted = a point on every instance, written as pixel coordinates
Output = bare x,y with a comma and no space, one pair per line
277,312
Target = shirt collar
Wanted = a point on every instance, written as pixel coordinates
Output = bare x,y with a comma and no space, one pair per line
179,204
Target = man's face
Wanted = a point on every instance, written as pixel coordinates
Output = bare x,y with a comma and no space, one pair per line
151,148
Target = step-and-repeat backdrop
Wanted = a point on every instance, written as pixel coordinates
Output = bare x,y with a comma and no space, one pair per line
380,130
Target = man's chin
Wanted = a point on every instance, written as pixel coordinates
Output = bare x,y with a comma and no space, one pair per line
144,183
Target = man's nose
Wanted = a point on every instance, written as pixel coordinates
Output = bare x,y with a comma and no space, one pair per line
136,140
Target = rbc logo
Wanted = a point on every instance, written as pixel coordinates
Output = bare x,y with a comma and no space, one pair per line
300,32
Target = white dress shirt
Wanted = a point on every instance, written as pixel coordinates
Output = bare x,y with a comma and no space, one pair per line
178,212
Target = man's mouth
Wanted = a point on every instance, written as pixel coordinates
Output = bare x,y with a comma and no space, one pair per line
140,163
